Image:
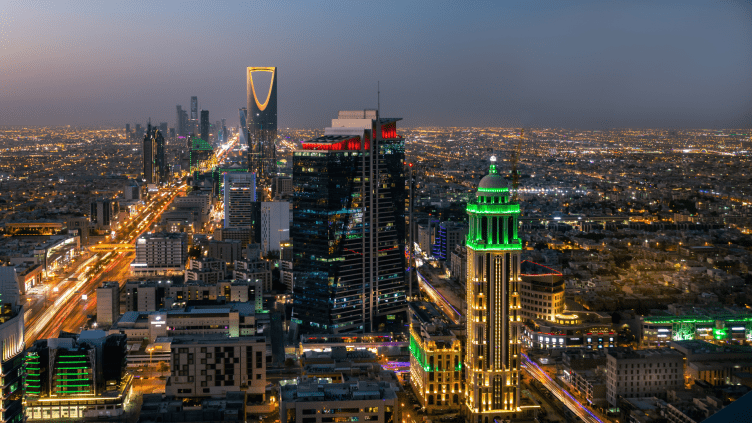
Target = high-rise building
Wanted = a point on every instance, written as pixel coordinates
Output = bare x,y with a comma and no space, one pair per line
223,138
348,263
492,356
240,199
275,225
163,128
102,212
160,253
127,130
262,125
205,125
180,121
194,108
108,303
155,171
243,129
12,339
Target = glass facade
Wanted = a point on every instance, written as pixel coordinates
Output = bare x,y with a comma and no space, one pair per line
348,251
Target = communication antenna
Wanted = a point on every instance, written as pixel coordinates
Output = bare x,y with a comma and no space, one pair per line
378,97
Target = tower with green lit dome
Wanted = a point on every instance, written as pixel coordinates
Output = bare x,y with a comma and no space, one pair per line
493,302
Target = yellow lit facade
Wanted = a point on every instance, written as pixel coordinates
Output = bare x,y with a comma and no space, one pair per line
493,304
435,366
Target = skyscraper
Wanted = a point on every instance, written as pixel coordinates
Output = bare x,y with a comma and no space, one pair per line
239,198
262,125
243,130
492,357
205,125
194,107
348,264
154,156
181,122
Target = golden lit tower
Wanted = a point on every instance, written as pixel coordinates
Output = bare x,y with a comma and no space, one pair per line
492,358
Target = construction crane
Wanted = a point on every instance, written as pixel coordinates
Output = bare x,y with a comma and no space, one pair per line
515,161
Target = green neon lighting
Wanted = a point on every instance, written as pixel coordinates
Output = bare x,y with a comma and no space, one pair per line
417,352
495,190
199,144
487,247
72,368
493,208
458,367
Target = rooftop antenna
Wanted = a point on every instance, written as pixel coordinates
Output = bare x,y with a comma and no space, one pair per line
378,98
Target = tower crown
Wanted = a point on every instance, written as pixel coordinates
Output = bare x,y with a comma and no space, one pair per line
493,217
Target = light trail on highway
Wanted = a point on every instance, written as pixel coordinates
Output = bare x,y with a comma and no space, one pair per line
49,320
565,397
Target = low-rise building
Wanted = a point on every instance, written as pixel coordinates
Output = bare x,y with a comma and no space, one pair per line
435,360
312,401
254,269
205,270
640,373
162,253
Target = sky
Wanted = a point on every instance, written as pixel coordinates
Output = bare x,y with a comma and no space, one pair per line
570,64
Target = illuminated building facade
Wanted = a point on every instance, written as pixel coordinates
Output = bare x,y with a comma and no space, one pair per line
658,331
493,303
243,129
581,329
155,171
435,360
262,125
12,359
200,155
348,264
240,200
541,292
67,378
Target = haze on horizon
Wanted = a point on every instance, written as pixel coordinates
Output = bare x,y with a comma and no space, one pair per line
586,65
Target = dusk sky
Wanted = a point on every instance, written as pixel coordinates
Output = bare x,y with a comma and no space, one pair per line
589,65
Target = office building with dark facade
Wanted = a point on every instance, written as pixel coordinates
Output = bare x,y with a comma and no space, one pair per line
348,250
154,156
262,126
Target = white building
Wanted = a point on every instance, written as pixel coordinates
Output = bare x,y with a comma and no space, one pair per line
643,373
160,253
275,225
108,303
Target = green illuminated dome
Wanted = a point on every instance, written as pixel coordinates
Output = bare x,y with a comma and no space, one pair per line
493,183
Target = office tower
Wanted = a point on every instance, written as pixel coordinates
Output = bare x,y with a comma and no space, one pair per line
239,198
163,128
643,379
349,267
155,171
108,303
492,357
281,186
102,212
12,339
224,131
77,376
173,134
262,125
179,123
205,125
275,225
194,108
127,131
541,293
243,129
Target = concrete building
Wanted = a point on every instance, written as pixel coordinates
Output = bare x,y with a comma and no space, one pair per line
227,251
11,360
640,373
579,329
281,187
244,235
275,225
239,199
229,408
205,270
108,303
435,360
714,364
318,402
541,292
155,295
235,319
217,365
252,270
160,253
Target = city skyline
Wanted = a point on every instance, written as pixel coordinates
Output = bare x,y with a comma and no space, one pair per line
621,65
